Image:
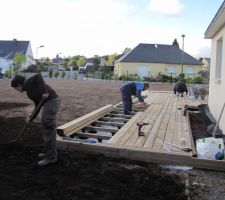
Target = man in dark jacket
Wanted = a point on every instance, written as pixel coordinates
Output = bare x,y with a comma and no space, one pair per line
179,88
37,90
129,89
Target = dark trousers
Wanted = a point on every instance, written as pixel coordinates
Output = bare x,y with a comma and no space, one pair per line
49,112
127,101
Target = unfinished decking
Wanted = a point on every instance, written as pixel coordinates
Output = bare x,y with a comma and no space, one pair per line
168,122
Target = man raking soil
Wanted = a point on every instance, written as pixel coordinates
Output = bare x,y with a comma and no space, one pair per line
43,96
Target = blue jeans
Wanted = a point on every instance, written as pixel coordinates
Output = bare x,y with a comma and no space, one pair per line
127,101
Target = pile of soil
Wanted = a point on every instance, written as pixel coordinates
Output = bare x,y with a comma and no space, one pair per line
80,176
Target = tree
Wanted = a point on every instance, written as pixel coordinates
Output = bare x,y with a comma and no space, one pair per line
96,60
175,43
18,60
111,59
126,50
82,61
73,62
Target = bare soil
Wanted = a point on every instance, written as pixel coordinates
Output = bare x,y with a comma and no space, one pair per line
80,176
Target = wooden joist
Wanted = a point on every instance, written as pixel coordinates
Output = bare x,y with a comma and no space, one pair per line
114,119
79,123
102,129
126,129
119,115
104,123
91,135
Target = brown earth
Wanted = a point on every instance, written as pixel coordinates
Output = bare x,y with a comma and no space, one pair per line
82,176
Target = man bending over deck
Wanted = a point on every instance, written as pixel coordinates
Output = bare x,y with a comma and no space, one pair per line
129,89
179,88
39,92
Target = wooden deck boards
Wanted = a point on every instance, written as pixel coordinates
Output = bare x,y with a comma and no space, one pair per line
167,123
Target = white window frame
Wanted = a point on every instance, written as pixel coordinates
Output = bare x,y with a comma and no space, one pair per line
219,53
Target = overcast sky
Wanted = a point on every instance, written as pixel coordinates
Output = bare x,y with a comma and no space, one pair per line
101,27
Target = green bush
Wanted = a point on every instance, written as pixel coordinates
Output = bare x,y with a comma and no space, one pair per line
56,74
75,75
50,73
165,78
198,80
63,74
181,77
189,80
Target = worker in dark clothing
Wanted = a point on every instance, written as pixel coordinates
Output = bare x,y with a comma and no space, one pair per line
179,88
129,89
37,90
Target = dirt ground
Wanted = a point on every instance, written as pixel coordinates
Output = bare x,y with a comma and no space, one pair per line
80,176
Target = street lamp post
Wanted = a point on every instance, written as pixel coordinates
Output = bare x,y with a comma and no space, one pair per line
37,50
182,56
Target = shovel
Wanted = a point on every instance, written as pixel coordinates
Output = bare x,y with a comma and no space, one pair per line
28,123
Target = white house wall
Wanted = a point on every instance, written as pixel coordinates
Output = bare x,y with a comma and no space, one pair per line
217,87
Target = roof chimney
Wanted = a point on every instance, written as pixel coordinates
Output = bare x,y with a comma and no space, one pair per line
14,40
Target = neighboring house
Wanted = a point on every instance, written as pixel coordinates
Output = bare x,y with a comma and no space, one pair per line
206,63
57,60
154,59
216,32
89,66
8,50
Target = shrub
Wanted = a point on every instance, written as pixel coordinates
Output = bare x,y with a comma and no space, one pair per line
56,74
50,73
63,74
198,80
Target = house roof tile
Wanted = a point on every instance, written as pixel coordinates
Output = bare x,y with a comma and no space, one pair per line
8,48
158,53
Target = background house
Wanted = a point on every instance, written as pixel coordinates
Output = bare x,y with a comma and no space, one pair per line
9,48
151,59
216,32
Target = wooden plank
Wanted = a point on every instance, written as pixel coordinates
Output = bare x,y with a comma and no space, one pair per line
185,133
170,127
139,154
77,124
125,129
150,116
177,125
194,151
153,134
163,127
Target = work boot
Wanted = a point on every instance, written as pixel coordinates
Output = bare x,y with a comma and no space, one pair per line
47,161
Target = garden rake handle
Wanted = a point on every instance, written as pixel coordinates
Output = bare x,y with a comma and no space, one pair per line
29,121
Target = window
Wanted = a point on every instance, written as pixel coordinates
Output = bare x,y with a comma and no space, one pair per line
143,71
189,70
219,48
171,69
